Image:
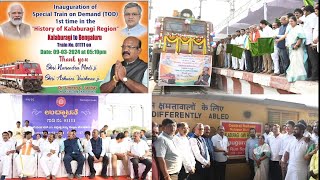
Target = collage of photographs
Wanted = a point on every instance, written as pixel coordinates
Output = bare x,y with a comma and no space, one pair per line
159,89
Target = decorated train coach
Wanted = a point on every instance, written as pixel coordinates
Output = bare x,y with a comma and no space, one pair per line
24,75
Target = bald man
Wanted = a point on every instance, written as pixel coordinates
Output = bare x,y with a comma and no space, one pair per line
130,75
15,28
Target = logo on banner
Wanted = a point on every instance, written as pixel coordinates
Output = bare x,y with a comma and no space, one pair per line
61,101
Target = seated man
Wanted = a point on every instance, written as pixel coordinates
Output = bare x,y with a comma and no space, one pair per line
97,153
49,152
73,151
139,151
7,148
26,160
130,75
118,150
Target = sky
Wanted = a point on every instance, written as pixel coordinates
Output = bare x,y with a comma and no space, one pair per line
214,11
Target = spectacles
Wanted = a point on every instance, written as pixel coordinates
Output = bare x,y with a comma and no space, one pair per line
132,14
129,47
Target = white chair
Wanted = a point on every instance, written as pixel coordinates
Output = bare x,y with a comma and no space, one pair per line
10,168
74,164
141,168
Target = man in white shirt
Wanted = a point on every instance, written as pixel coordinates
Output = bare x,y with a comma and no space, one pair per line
26,161
97,153
275,143
243,37
139,151
27,127
119,150
234,61
267,32
238,42
86,139
298,13
132,16
18,129
105,141
44,137
310,24
201,154
221,145
49,152
275,54
267,132
315,134
60,139
188,160
286,140
6,149
294,155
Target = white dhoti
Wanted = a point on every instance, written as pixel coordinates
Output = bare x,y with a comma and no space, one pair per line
297,172
50,165
5,165
275,60
26,165
235,62
242,61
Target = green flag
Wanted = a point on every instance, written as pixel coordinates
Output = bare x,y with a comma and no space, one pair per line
237,52
229,48
308,2
254,49
265,45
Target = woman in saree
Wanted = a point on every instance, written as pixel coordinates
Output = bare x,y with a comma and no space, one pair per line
261,156
295,42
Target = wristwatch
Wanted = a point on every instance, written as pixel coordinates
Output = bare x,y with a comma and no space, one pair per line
124,80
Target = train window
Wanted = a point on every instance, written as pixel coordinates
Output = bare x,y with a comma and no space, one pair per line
197,28
281,117
175,27
30,65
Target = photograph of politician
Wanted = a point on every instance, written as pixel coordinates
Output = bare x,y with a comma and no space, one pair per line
15,28
132,16
130,75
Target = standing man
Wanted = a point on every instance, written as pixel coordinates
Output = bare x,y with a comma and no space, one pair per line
275,54
201,154
97,153
267,132
49,152
221,145
60,139
257,61
18,129
275,143
73,151
167,151
105,128
139,151
6,149
281,45
143,134
207,137
15,28
266,33
28,128
44,137
242,45
248,58
286,140
132,16
310,24
234,61
250,145
26,160
188,160
130,75
85,140
298,166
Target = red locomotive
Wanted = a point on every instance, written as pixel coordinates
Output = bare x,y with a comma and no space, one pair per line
24,75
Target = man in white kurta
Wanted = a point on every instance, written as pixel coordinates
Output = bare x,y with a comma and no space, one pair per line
234,61
49,153
28,128
26,161
60,139
18,130
298,166
6,148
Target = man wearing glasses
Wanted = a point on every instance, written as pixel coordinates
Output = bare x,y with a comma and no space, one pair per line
132,16
15,28
130,75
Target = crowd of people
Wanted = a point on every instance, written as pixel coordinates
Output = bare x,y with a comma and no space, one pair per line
287,153
95,145
296,47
